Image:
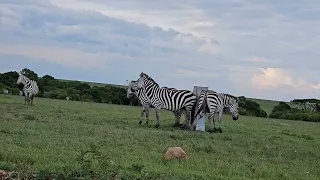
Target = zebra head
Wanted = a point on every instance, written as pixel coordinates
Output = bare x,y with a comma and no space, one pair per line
141,80
145,81
132,87
21,78
232,103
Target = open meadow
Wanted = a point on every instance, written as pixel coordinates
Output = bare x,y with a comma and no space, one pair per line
46,140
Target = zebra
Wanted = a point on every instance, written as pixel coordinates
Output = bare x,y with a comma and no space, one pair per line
215,103
169,99
30,88
145,102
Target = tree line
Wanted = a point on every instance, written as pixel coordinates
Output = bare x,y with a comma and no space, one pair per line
305,110
49,87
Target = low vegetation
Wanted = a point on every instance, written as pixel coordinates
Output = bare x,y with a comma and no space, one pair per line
306,112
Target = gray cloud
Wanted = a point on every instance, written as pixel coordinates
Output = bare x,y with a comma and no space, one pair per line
219,43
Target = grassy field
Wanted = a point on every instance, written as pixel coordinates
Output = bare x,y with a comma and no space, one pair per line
48,138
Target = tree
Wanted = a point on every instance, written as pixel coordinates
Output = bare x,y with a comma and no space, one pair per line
30,74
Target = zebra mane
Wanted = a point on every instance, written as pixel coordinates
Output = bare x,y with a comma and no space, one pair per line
148,78
231,96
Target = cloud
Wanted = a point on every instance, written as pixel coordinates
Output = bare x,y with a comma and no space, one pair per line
271,78
70,57
226,45
194,74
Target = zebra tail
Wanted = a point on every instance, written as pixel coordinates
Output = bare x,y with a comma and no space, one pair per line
193,116
203,107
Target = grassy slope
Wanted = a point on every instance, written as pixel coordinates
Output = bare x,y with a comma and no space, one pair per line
52,131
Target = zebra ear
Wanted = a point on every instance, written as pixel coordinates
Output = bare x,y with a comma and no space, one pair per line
141,74
128,82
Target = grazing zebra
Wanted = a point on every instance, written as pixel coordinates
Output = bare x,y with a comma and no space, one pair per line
30,88
213,102
169,99
145,102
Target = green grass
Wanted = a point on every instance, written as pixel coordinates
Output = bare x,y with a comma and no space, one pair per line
48,136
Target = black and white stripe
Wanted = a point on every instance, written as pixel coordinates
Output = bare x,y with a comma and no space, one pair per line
145,102
168,98
30,87
213,102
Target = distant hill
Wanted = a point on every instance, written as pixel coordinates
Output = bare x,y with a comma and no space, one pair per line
96,84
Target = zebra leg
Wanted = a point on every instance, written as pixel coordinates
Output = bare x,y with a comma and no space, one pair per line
31,99
142,113
210,122
211,115
219,121
177,115
187,116
25,100
147,114
158,117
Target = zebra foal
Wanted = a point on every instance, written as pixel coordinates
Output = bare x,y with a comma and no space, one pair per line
213,102
30,88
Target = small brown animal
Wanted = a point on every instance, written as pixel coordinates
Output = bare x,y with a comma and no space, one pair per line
175,153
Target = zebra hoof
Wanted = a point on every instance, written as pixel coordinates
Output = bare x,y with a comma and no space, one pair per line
147,122
156,126
140,122
176,125
184,127
214,130
219,130
211,131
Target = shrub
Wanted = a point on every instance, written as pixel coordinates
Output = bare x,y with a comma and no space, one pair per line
250,108
284,111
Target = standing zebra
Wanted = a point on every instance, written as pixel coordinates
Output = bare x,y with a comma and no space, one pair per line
30,88
214,103
169,99
145,102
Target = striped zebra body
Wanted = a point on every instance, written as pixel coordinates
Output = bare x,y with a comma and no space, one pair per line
213,102
144,100
168,98
30,87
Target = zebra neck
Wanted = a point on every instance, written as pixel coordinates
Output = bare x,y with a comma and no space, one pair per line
26,83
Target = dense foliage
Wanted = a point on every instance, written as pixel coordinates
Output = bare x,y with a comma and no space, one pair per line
285,111
250,108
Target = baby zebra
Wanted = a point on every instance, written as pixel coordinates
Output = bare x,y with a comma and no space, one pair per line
213,102
30,88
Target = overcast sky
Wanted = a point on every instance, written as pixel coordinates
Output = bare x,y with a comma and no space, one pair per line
264,50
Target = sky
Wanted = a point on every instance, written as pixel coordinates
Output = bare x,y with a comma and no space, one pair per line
267,50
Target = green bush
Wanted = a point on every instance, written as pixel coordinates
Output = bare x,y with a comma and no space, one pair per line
284,111
250,108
